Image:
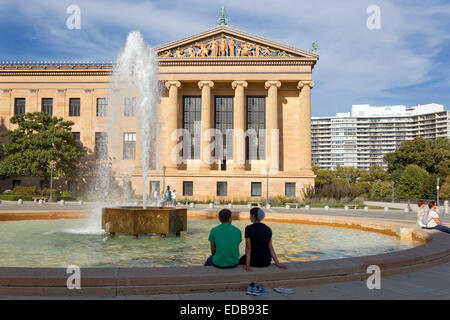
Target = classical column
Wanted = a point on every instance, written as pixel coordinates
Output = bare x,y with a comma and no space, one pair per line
172,123
305,125
239,125
272,133
206,86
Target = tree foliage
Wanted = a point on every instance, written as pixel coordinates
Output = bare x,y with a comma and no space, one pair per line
431,155
381,189
38,139
444,192
412,182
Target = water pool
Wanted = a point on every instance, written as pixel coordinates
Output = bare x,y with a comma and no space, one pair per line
60,243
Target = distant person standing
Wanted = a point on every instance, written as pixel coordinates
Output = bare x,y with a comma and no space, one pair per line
168,196
174,198
431,219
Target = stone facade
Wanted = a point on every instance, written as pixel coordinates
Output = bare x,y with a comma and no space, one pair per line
219,62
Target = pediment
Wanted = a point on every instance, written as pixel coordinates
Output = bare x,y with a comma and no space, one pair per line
224,42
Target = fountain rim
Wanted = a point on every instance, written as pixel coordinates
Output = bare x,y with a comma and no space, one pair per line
116,281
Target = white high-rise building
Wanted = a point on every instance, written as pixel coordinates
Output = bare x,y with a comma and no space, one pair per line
362,138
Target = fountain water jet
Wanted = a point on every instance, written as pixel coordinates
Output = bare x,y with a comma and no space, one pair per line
135,75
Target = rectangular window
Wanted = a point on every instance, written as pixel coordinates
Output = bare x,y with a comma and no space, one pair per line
289,189
76,136
192,126
256,128
256,189
129,146
16,183
47,105
74,107
188,188
155,186
19,106
102,106
221,189
43,184
223,121
130,107
101,145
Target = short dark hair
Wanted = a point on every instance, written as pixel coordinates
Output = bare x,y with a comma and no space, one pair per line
431,204
225,215
420,203
254,213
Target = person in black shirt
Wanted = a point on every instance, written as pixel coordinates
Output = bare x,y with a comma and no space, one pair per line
259,251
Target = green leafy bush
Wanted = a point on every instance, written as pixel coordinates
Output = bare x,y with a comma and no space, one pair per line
20,190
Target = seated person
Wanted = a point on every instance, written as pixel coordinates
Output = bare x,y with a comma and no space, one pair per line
259,251
431,219
420,212
225,240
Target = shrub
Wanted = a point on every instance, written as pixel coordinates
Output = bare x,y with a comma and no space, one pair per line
338,192
28,191
308,192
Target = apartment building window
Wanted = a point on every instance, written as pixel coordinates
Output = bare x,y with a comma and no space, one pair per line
74,107
102,106
101,145
224,123
256,128
129,146
188,188
47,105
76,136
19,106
192,127
256,189
289,189
130,107
221,189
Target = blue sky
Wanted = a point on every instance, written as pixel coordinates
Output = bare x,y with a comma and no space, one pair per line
406,62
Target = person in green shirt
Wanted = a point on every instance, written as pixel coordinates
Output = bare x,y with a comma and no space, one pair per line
225,240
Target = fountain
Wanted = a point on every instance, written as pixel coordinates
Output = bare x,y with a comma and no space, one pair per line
135,74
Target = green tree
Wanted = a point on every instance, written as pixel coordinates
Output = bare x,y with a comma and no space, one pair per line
431,155
411,182
324,177
348,175
38,139
444,192
375,173
381,189
429,186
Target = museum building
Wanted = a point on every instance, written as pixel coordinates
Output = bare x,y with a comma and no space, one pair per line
222,79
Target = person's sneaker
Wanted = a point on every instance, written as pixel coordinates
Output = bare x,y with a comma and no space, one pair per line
252,290
260,288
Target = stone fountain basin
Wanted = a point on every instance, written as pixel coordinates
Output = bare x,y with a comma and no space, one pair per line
137,220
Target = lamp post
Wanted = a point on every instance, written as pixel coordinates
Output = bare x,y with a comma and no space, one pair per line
437,190
52,167
393,192
164,177
267,187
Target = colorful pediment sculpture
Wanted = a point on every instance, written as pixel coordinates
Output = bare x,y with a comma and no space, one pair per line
224,46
